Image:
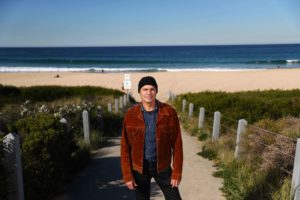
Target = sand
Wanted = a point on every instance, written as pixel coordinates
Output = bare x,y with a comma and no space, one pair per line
177,82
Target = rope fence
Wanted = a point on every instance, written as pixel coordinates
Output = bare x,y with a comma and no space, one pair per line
214,119
281,168
280,152
277,134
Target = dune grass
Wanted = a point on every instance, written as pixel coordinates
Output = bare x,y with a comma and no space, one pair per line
258,174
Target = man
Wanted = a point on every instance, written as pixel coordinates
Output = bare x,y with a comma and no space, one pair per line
151,138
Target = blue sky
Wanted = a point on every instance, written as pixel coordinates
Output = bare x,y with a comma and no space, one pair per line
148,22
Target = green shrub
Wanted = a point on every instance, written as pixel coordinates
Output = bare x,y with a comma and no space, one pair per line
46,154
112,124
250,105
97,139
51,153
8,116
11,94
79,158
4,190
209,153
244,182
202,135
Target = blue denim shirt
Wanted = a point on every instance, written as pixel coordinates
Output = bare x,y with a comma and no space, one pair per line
150,140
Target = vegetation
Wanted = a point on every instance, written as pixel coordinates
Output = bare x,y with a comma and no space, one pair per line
4,173
53,151
11,94
46,154
263,172
251,105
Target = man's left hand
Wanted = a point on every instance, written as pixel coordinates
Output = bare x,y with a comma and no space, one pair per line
174,183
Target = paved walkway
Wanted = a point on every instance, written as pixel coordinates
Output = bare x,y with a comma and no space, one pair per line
102,178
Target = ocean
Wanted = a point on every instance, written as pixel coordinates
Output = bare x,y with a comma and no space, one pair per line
150,58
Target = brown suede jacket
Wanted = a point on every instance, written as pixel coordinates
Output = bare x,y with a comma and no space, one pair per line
168,142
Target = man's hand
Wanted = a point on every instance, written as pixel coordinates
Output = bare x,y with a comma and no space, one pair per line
174,183
131,185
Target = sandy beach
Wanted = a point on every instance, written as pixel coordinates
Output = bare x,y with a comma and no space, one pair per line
177,82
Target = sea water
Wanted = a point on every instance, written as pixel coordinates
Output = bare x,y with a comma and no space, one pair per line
151,58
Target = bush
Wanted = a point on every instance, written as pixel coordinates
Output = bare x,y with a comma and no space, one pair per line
112,124
97,139
46,155
258,174
243,182
4,191
250,105
202,135
51,153
11,94
208,153
79,158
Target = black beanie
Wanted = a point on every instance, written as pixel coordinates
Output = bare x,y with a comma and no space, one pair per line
147,80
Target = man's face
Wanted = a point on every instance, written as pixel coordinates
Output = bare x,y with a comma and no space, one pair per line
148,93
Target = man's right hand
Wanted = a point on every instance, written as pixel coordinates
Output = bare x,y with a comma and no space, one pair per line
131,185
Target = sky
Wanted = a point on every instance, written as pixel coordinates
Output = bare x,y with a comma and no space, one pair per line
37,23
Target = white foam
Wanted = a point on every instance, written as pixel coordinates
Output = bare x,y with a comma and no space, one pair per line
292,61
36,69
212,69
67,69
56,69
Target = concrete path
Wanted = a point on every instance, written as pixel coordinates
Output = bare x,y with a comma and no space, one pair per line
198,183
102,178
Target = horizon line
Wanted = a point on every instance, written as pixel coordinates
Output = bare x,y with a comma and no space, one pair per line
172,45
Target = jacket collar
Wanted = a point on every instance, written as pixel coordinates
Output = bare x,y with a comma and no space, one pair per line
162,111
155,108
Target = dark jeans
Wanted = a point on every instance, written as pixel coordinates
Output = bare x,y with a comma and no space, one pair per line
163,180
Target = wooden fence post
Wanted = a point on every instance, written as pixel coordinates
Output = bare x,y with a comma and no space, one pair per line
109,107
13,162
173,97
240,131
121,103
86,127
100,117
116,106
183,105
191,108
201,118
216,127
170,95
127,96
124,100
295,191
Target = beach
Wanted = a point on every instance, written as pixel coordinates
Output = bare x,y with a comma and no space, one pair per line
176,82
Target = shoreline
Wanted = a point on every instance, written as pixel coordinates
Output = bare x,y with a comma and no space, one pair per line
176,82
138,70
110,70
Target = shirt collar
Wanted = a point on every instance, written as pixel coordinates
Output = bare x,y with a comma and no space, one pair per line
155,108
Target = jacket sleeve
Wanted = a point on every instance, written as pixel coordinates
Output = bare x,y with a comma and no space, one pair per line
125,155
177,150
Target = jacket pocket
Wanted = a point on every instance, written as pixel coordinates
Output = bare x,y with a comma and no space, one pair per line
135,134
